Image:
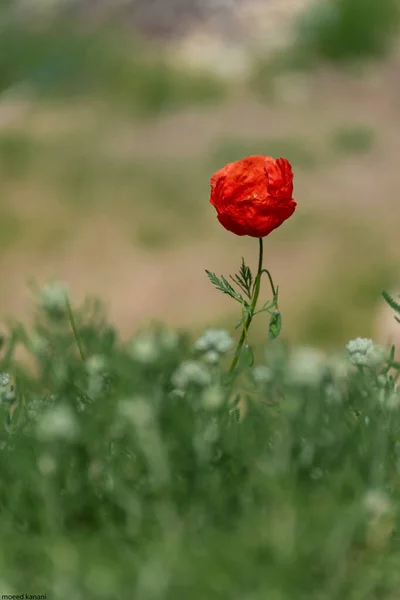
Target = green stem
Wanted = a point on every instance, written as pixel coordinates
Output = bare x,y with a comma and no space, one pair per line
271,284
249,319
74,329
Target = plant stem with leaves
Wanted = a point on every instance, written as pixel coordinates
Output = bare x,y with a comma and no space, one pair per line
247,322
248,298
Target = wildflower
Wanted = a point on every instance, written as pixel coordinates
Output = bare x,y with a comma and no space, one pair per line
7,389
191,372
307,366
212,357
137,410
262,374
95,364
38,345
393,401
143,348
4,380
213,397
214,340
53,299
377,503
36,407
57,422
363,352
253,196
47,465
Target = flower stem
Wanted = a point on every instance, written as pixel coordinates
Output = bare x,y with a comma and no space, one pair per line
75,330
253,305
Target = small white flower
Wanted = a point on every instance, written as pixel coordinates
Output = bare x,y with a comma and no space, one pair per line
95,364
217,340
363,352
47,465
37,344
4,379
377,503
213,397
191,372
262,374
381,381
333,394
393,401
307,366
211,357
57,422
179,393
143,348
137,410
53,299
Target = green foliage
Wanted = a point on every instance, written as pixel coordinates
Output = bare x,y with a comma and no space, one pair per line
392,303
62,60
244,279
347,30
221,284
354,139
121,478
275,324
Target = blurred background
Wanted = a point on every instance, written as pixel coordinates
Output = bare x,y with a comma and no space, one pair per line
115,113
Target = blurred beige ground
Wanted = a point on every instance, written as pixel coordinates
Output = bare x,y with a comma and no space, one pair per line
342,238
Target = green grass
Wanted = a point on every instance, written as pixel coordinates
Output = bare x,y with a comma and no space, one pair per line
114,484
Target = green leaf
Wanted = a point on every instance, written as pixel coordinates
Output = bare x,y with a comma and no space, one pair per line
244,279
265,308
224,286
392,352
247,356
235,415
275,324
391,301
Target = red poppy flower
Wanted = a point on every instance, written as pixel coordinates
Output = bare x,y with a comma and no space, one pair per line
253,196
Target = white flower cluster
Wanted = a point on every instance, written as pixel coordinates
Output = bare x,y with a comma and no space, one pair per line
307,366
263,374
191,372
57,422
377,503
7,390
363,352
145,347
53,299
4,380
95,368
214,343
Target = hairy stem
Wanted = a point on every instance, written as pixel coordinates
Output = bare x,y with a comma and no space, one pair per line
253,305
